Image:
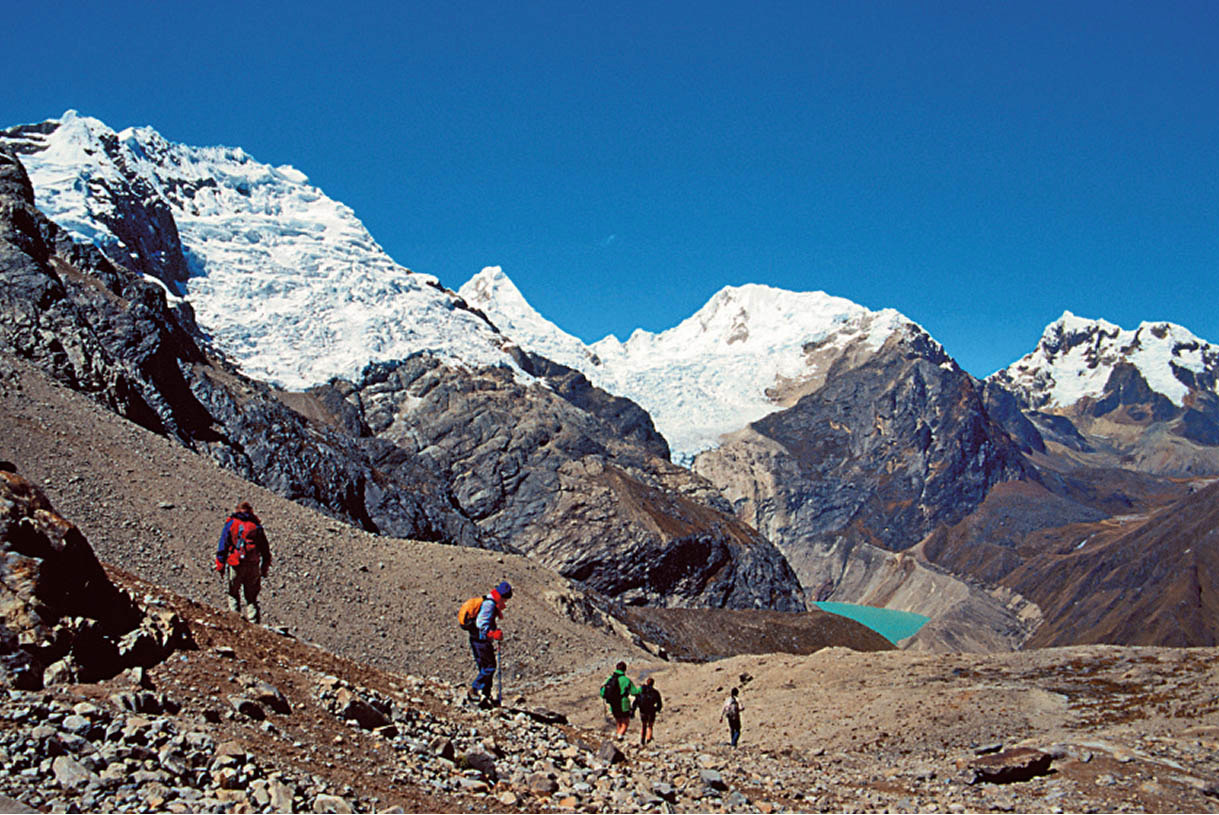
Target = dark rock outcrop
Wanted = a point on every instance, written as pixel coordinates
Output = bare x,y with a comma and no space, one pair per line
550,474
880,455
61,619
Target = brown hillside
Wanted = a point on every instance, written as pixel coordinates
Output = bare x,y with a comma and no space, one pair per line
153,508
1152,584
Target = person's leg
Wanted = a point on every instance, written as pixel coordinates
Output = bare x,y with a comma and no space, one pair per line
484,655
252,584
736,733
234,587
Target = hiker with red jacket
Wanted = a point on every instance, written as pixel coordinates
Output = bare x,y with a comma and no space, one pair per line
484,633
245,552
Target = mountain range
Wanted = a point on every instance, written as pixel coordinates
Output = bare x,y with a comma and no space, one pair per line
775,447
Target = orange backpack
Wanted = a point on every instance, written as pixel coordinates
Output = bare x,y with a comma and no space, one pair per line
467,615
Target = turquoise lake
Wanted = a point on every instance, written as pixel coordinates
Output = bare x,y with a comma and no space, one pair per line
891,624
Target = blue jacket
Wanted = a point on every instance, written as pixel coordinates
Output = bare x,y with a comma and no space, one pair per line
485,621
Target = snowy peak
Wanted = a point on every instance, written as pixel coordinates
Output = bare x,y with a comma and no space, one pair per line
287,281
492,292
1076,357
750,350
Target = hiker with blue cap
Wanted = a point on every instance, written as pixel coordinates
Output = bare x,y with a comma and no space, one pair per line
484,633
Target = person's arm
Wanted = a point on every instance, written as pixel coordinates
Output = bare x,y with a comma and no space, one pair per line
223,546
659,702
264,549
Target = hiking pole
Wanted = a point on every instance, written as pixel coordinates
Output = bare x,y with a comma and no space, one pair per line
499,675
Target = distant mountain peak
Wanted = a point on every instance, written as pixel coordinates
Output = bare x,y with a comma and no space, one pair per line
1076,356
748,351
287,281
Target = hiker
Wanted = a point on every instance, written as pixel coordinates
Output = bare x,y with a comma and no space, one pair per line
648,703
617,691
484,633
732,712
244,551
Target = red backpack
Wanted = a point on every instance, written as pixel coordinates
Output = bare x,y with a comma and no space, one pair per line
242,540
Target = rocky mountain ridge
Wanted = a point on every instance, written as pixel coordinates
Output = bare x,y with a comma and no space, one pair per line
438,476
838,483
1145,399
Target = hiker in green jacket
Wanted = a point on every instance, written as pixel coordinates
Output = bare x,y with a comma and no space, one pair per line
617,691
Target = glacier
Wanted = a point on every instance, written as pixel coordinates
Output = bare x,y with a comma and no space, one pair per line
745,354
288,282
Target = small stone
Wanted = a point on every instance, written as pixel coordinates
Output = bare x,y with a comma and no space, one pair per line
508,798
71,774
713,779
76,724
247,707
332,803
281,796
609,753
440,746
542,784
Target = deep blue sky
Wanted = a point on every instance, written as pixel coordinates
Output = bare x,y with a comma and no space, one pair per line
979,166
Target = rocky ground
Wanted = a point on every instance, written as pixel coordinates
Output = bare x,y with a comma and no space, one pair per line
256,721
350,699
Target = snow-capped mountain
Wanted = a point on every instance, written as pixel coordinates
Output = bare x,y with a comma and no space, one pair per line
287,281
1076,358
748,352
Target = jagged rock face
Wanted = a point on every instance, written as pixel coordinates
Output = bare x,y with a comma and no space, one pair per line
557,482
59,613
630,422
99,328
881,454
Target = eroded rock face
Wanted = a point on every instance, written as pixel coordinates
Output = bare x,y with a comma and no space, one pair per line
553,476
61,619
880,456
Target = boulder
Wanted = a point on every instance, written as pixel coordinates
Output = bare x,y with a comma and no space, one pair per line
70,774
484,764
332,803
1019,764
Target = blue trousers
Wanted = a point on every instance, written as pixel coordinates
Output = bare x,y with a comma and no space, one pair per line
734,730
484,658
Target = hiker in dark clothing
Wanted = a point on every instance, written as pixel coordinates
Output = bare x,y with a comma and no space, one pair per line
244,551
484,633
617,691
648,703
732,712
